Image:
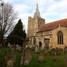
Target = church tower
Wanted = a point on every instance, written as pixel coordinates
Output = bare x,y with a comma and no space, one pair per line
34,23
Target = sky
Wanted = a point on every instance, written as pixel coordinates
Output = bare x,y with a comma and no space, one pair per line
50,10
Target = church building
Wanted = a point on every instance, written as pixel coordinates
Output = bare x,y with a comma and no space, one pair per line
51,35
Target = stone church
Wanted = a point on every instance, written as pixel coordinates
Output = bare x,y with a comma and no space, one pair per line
52,34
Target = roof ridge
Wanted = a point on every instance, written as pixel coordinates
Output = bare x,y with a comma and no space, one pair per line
53,25
56,21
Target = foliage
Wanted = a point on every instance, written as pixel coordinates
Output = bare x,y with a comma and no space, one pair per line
7,18
18,35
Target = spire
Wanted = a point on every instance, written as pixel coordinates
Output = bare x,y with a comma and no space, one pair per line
37,9
37,13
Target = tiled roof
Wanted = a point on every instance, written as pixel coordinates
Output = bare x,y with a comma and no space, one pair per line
53,25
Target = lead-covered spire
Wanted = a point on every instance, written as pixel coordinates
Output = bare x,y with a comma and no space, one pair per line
37,13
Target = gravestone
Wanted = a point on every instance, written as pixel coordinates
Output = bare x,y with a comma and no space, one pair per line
65,61
9,45
65,50
59,51
45,51
52,51
41,57
55,58
18,48
21,62
36,48
10,57
10,63
26,58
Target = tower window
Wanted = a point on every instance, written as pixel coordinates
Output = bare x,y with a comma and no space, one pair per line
60,38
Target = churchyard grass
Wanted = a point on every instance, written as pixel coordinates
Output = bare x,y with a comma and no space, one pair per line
47,63
48,60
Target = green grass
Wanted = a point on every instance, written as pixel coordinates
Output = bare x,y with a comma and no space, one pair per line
47,63
3,52
48,60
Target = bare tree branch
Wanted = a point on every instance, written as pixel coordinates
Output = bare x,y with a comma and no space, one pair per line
7,18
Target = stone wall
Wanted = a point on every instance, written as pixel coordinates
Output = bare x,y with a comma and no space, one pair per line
52,35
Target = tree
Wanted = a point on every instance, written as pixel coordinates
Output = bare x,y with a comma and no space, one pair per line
18,35
7,18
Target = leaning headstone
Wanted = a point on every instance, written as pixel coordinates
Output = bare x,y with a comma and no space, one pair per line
65,50
10,63
18,48
26,58
41,57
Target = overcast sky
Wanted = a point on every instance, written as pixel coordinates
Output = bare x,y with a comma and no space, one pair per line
50,10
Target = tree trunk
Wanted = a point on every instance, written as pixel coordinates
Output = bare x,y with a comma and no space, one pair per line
2,39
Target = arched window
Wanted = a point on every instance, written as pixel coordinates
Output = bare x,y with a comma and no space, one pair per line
60,38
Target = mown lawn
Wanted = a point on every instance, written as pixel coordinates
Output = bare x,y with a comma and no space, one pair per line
48,60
